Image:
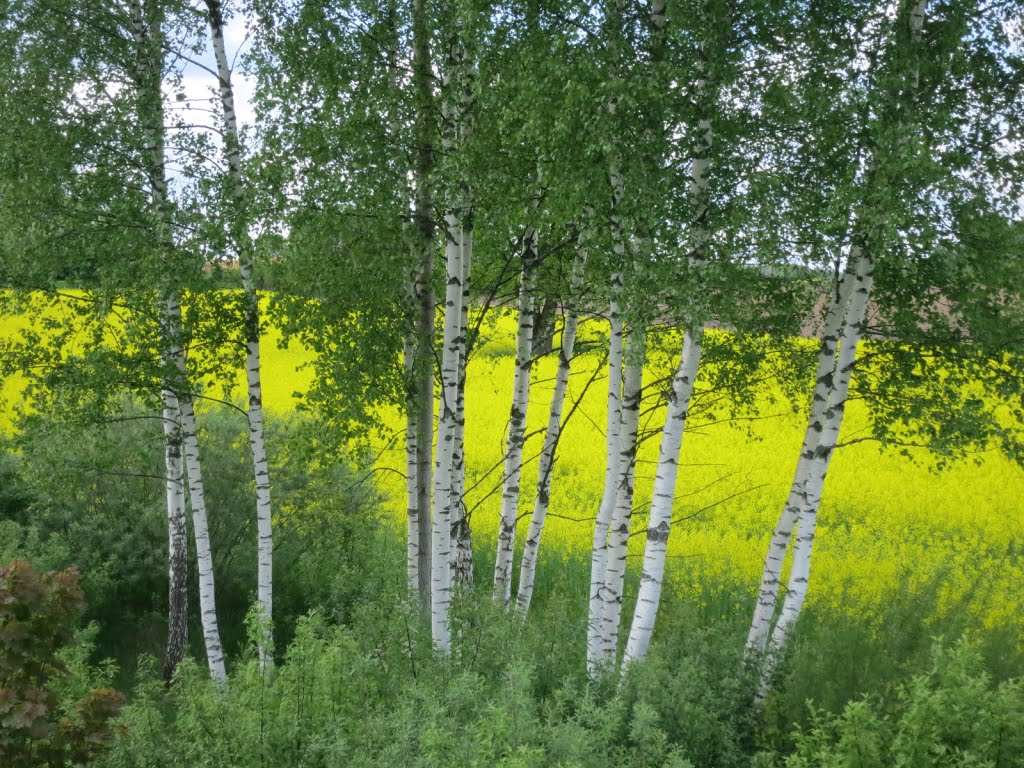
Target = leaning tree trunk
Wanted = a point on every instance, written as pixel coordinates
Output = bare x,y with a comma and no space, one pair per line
766,606
149,70
528,566
809,495
516,427
660,521
622,514
251,324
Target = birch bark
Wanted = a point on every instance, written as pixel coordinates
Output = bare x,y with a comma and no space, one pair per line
147,37
456,112
251,323
177,536
599,550
660,521
441,581
808,493
622,515
764,610
516,425
200,526
596,656
528,566
462,562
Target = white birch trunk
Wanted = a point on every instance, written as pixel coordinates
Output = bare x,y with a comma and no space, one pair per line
177,536
251,322
441,579
596,656
171,321
204,556
423,252
764,610
809,496
528,566
456,112
660,521
516,427
622,515
149,72
462,543
599,550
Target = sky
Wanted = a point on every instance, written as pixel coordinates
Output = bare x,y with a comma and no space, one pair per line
200,86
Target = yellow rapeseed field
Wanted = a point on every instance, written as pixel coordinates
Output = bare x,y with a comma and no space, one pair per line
888,526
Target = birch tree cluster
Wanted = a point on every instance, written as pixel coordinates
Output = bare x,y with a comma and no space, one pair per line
846,170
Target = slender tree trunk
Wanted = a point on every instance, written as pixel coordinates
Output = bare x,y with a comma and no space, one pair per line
805,497
808,496
251,324
622,515
204,555
528,567
149,70
516,427
177,537
441,580
172,324
597,661
660,521
422,381
462,547
456,113
765,609
599,550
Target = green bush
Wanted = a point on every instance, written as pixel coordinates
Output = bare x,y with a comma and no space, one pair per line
952,715
50,714
92,496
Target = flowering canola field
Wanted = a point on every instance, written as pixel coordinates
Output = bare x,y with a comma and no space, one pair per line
889,527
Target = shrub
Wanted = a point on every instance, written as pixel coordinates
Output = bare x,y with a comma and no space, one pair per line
41,724
952,715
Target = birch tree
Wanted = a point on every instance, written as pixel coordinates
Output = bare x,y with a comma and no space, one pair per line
146,33
516,438
251,323
457,109
617,435
528,565
610,591
903,199
844,328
